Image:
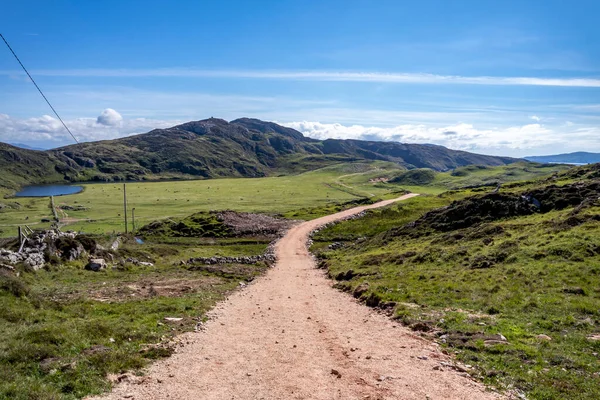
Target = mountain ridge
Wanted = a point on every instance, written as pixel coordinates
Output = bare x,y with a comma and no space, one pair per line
213,148
578,157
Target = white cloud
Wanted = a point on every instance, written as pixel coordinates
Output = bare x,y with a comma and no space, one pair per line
109,117
462,136
331,76
48,132
535,118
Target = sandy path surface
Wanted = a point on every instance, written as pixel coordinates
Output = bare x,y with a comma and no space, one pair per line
281,337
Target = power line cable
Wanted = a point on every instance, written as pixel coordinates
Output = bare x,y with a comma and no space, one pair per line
39,90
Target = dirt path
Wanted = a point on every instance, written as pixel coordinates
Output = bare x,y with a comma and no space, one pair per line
281,337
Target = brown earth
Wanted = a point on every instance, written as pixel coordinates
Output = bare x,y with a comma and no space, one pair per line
290,335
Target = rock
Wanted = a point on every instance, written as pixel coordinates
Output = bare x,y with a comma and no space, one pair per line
336,373
594,337
75,252
146,264
361,289
96,264
115,245
173,319
34,261
543,337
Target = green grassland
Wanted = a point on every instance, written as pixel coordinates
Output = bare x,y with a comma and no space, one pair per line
535,279
65,329
156,200
306,195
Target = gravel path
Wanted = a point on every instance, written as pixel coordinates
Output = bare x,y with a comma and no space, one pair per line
289,335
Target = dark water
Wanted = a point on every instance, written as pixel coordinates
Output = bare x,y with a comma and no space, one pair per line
48,190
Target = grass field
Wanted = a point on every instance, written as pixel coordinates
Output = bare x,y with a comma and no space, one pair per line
156,200
307,195
532,279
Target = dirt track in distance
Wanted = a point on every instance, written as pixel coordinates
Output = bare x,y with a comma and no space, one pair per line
284,335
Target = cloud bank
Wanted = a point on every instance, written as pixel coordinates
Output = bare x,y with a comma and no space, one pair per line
47,131
510,140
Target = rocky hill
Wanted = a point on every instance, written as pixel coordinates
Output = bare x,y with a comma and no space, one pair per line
215,148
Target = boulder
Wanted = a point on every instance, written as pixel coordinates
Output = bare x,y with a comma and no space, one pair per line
96,264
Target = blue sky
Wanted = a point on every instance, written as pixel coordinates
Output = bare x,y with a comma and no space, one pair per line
512,77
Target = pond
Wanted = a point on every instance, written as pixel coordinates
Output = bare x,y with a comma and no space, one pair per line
48,190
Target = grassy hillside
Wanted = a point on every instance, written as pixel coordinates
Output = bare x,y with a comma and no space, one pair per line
216,148
19,167
509,284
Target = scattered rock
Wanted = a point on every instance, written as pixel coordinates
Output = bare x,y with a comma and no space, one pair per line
336,373
96,264
173,319
543,337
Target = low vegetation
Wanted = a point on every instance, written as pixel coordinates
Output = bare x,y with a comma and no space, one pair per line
508,281
66,329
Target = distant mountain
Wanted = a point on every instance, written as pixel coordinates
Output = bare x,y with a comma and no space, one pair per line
580,157
24,146
216,148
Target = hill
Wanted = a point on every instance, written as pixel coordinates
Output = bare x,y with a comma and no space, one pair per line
216,148
580,157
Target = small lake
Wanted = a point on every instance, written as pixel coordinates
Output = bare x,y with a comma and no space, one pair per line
48,190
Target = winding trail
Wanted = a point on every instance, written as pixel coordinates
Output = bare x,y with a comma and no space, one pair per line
281,337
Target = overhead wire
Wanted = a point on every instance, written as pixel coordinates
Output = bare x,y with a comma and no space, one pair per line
39,90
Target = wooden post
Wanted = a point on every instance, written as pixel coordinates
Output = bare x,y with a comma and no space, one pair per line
125,205
133,218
